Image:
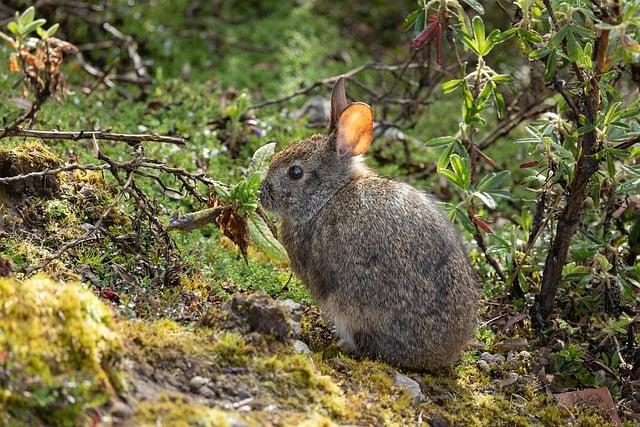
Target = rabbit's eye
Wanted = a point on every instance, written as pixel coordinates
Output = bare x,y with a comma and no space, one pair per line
295,172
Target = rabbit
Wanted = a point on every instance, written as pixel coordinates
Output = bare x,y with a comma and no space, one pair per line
383,263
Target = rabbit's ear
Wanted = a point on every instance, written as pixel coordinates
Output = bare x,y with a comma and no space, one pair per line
338,102
355,129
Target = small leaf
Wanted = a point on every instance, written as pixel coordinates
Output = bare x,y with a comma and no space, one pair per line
52,30
478,30
260,160
529,36
493,180
572,47
464,220
499,101
411,18
27,17
502,78
264,240
550,70
451,85
475,5
33,26
13,28
443,160
486,199
440,141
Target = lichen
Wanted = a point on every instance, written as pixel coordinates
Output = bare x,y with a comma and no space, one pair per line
58,352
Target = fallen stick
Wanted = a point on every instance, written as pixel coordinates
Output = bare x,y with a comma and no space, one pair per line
101,135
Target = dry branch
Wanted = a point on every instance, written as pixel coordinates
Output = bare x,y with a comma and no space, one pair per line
101,135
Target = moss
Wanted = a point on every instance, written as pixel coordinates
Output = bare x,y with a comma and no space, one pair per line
177,411
232,348
294,378
29,157
58,351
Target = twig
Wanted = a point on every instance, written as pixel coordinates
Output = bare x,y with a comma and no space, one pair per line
45,172
101,135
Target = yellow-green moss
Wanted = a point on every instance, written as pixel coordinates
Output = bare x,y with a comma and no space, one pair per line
177,411
58,349
30,156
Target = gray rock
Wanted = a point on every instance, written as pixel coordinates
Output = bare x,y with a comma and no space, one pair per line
301,347
197,382
484,366
121,410
492,358
509,381
410,385
436,420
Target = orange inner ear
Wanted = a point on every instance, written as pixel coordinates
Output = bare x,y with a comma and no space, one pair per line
355,129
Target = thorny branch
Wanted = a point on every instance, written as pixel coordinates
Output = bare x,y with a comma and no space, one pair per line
101,135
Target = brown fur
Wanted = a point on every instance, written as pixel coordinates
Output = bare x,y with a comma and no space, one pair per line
381,260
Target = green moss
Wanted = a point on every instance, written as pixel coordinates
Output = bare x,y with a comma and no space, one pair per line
58,351
177,411
30,156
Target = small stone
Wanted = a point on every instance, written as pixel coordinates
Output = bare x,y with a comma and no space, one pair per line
410,385
301,347
436,420
509,381
296,328
121,410
514,344
484,366
492,358
291,305
197,382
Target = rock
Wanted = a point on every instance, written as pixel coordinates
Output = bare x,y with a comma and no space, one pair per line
259,312
301,347
514,344
436,420
509,381
410,385
197,382
484,366
492,358
121,410
292,306
296,328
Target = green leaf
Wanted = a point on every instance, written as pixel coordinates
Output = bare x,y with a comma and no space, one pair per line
440,141
540,53
33,26
529,36
486,199
462,169
502,36
493,180
52,30
420,23
27,17
550,70
478,30
452,177
475,5
264,240
6,38
13,28
451,85
502,78
464,220
411,18
499,101
572,47
260,160
443,160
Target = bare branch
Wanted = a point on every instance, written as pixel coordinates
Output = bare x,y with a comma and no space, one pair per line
101,135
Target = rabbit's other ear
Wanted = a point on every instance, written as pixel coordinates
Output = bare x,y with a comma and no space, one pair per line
355,129
338,102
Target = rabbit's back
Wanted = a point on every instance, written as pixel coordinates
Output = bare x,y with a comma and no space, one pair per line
390,270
